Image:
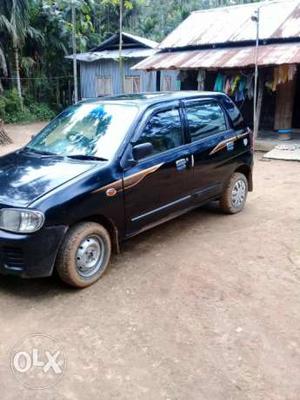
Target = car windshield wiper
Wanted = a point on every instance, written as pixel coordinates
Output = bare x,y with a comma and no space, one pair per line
86,157
41,152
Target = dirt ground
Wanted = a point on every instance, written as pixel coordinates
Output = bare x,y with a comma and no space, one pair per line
20,135
205,307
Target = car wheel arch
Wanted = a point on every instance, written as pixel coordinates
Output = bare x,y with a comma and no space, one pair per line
247,171
109,225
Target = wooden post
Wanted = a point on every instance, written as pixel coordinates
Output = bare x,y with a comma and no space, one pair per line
256,112
57,92
285,97
259,106
120,48
74,53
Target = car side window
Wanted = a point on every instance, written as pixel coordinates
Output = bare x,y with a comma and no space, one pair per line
234,113
163,131
204,119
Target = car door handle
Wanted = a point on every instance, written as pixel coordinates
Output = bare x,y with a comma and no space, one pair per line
185,162
181,164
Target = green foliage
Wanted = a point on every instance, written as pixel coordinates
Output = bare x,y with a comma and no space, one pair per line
2,108
19,116
155,19
12,103
39,33
11,112
41,111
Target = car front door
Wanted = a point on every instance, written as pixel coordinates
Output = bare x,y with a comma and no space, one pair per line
209,134
159,184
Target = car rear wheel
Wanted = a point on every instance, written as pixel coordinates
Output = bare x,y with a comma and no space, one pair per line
84,255
234,196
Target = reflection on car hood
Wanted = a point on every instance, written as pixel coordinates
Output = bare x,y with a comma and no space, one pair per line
24,177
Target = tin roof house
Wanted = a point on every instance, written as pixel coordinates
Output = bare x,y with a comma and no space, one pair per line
99,68
215,49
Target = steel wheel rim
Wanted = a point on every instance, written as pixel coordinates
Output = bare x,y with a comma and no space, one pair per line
238,195
90,255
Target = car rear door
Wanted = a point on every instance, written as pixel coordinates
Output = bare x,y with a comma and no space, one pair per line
159,184
209,133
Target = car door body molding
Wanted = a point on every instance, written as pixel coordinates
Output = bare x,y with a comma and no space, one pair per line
129,181
134,179
221,145
164,207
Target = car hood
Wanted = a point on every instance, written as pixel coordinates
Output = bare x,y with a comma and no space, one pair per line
24,177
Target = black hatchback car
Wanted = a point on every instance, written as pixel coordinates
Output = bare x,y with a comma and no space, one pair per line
107,169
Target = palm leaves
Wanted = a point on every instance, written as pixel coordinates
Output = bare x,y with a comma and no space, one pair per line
15,27
14,18
3,65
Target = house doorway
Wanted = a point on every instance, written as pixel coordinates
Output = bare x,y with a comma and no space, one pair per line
296,113
189,80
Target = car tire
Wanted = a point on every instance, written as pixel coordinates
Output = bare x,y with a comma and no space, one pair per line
235,193
84,255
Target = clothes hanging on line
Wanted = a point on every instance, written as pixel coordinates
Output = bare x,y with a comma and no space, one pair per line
219,83
227,89
241,89
281,75
292,72
201,79
182,75
250,86
239,86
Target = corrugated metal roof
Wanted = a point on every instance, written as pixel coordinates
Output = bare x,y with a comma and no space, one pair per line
147,42
140,48
112,42
112,54
278,20
275,54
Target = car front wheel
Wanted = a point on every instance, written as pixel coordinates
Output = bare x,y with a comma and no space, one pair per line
84,255
234,196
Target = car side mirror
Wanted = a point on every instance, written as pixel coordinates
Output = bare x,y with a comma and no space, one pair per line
142,150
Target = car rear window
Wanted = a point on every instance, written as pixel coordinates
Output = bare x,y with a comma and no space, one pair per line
204,119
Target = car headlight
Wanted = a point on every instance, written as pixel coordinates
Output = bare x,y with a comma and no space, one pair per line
21,220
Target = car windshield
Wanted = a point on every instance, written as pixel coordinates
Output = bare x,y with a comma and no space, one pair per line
87,130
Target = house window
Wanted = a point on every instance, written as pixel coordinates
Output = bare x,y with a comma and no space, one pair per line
104,85
166,84
132,84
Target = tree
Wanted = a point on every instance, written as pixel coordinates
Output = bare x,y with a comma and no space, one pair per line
155,19
14,21
35,37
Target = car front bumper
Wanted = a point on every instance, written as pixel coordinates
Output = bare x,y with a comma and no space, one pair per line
31,255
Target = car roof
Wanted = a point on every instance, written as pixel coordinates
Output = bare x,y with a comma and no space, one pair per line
152,98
